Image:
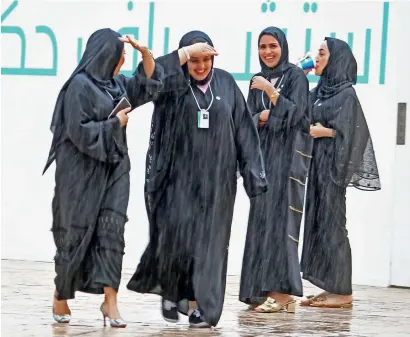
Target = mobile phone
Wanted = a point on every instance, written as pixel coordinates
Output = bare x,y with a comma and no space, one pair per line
122,104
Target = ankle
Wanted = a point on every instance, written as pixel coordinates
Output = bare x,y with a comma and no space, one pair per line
280,296
339,295
61,307
110,301
110,296
192,305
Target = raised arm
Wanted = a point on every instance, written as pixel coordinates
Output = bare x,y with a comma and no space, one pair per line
287,111
155,77
148,61
174,78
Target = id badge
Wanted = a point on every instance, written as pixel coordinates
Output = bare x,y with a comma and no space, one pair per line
203,119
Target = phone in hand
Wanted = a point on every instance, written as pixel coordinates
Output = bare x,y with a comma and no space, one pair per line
122,104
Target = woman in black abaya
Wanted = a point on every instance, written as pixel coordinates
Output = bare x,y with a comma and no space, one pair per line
201,128
92,171
278,98
342,156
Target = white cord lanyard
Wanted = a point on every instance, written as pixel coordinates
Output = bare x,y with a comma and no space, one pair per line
212,94
270,102
109,94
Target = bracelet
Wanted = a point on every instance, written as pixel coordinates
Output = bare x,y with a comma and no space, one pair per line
274,95
186,52
149,55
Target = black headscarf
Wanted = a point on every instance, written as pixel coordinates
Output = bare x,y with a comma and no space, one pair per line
101,56
340,71
190,38
283,63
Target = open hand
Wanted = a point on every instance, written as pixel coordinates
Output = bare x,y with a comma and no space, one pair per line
201,49
134,43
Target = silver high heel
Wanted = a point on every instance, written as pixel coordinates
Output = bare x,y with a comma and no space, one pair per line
62,318
114,323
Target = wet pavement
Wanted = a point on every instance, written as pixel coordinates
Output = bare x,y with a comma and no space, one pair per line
27,288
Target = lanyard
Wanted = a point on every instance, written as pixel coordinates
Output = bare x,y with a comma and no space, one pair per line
210,89
109,94
270,103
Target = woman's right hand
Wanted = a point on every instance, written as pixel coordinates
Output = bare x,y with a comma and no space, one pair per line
307,71
122,115
201,49
145,52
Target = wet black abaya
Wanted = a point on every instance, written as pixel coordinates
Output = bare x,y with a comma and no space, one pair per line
191,187
270,260
92,168
346,160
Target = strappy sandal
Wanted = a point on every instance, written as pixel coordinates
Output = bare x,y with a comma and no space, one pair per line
270,306
307,302
313,298
321,303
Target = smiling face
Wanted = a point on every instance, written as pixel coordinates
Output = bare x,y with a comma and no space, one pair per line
269,50
322,58
200,67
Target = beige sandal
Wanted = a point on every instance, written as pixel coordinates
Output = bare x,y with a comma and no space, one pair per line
270,305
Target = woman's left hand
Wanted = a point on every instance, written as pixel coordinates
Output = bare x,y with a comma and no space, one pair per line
134,43
261,83
319,131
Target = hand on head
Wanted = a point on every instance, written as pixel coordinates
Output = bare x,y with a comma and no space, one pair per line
134,43
201,49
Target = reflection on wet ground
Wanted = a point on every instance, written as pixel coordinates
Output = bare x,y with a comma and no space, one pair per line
27,289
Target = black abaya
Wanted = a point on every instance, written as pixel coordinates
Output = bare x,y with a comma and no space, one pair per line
346,160
270,260
92,168
191,187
